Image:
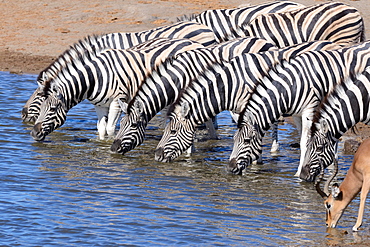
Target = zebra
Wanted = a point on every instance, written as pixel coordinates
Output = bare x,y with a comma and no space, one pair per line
95,43
163,85
193,29
334,21
335,12
224,86
227,23
292,88
347,104
101,78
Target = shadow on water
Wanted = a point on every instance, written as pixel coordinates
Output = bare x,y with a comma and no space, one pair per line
71,190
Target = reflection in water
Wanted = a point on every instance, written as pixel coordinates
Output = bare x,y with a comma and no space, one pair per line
71,190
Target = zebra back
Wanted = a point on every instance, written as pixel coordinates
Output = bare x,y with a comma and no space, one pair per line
227,23
332,21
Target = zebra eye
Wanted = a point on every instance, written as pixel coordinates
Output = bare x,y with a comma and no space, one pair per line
173,132
247,140
320,148
134,125
53,108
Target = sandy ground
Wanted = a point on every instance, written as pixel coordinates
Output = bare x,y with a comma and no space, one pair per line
34,32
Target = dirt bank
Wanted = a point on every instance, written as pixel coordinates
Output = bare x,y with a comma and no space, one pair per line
35,32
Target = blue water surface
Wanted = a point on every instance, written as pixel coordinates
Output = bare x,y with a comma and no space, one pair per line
70,190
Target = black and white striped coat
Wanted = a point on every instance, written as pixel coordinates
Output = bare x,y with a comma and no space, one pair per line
222,87
164,84
334,21
95,43
229,23
102,78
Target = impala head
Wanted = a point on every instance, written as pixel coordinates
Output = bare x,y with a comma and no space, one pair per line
52,115
334,203
178,135
320,151
247,144
132,129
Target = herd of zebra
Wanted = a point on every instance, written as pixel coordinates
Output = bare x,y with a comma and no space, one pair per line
259,62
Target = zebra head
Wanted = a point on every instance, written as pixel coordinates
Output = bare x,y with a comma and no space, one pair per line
132,129
178,135
247,144
31,109
53,114
320,151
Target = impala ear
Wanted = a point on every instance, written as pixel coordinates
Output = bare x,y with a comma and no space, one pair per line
335,191
324,126
122,103
184,109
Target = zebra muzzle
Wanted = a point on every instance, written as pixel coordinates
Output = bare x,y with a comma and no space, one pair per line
37,133
159,154
233,167
116,146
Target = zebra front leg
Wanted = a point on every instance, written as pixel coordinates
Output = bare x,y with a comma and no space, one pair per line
211,130
102,113
305,135
275,143
115,110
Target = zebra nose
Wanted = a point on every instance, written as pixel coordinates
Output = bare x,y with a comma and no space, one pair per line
232,165
116,145
159,153
35,132
305,174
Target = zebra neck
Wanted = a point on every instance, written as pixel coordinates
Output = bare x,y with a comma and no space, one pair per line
348,104
164,85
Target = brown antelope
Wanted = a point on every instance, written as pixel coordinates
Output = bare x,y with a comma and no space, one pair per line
357,178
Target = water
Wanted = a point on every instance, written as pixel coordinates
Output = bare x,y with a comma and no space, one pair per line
72,191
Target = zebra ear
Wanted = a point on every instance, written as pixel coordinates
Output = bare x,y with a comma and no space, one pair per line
185,109
42,79
139,107
122,104
250,117
324,126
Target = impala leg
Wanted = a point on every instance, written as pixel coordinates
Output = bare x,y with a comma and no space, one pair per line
364,191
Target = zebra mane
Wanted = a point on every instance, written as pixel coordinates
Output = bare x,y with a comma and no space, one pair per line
156,71
209,69
83,49
89,46
190,17
255,87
